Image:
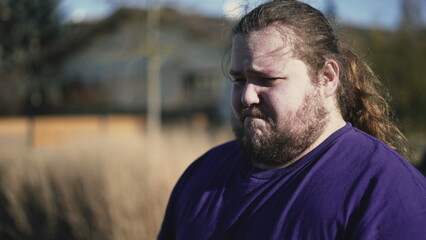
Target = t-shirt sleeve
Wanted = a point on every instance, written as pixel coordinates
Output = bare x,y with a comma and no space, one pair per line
391,203
191,182
413,228
169,225
395,209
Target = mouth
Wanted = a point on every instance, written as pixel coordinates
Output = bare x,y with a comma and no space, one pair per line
251,114
250,118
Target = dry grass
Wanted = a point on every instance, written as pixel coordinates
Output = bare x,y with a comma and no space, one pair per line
94,178
110,184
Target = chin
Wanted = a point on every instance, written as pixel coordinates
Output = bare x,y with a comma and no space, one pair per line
279,143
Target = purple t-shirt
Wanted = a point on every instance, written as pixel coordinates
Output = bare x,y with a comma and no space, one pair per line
352,186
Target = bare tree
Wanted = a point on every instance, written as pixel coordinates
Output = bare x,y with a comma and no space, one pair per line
27,29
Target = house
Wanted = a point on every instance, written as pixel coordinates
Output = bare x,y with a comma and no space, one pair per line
103,65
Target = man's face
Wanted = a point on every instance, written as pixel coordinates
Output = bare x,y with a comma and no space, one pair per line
278,111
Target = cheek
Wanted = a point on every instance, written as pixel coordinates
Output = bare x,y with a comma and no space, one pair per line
281,103
236,99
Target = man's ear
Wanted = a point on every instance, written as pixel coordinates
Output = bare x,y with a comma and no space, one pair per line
329,76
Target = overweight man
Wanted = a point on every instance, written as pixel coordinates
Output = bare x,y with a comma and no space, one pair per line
315,155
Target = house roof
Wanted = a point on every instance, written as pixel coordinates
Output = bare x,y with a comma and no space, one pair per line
201,28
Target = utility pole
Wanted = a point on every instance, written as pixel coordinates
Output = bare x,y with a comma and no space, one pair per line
411,15
153,89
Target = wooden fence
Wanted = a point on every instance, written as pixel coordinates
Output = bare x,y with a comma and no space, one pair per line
51,130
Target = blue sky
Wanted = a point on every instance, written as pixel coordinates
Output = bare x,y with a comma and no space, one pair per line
379,13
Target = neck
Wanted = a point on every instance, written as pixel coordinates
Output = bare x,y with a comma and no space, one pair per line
334,122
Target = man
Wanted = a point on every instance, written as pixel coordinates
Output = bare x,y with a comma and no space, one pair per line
300,168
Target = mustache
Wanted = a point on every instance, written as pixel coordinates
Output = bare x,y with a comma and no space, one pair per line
252,112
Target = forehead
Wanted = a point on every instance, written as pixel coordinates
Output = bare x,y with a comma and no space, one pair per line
269,41
263,48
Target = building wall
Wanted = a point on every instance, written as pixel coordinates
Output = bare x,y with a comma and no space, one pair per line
116,59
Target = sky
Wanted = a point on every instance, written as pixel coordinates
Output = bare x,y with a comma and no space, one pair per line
373,13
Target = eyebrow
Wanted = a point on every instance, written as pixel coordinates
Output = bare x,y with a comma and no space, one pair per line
235,73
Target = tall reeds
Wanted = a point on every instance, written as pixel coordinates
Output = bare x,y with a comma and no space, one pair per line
100,187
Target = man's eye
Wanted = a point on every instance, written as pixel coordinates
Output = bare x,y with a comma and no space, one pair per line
269,79
239,81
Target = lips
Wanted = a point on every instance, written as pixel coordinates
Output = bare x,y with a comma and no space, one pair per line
252,113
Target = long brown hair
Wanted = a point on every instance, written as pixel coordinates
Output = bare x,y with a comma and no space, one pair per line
361,97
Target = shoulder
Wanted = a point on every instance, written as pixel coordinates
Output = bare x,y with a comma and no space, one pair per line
221,158
215,156
363,144
193,183
387,191
206,172
369,152
372,159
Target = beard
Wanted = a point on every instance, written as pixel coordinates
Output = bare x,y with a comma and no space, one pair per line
282,142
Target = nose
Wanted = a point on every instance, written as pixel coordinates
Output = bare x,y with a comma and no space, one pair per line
250,95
